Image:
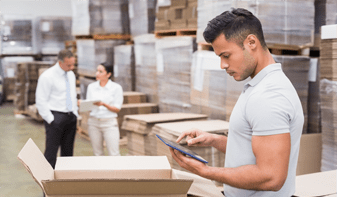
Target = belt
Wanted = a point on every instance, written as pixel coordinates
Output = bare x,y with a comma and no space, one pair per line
66,113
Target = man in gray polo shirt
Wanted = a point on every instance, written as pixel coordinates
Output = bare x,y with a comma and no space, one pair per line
266,123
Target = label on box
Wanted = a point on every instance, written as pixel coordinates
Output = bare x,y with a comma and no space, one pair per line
160,62
10,72
131,12
45,26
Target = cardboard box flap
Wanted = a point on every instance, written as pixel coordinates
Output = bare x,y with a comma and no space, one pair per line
165,117
200,186
117,187
316,184
35,162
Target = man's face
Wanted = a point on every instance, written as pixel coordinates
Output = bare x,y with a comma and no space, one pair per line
67,64
238,62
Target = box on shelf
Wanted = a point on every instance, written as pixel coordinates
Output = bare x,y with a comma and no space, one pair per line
111,176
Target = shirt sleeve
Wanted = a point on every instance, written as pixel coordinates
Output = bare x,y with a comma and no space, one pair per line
43,90
269,113
118,102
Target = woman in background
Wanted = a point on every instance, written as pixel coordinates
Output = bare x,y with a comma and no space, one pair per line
102,123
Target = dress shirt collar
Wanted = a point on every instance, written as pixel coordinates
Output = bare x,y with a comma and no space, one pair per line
59,70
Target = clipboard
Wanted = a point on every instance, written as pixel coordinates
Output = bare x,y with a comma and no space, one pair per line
182,149
88,105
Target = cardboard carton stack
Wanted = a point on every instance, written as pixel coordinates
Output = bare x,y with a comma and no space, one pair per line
328,59
180,14
91,53
124,67
26,82
213,91
19,35
328,91
112,176
9,65
174,60
54,32
142,15
141,140
275,16
100,17
296,68
146,66
314,99
173,130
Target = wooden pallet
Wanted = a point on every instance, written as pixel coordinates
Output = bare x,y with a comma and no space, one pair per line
204,46
282,49
105,37
178,32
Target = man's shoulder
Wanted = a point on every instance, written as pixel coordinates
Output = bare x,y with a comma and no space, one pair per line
47,73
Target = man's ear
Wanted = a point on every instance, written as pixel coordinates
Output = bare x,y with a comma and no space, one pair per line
252,41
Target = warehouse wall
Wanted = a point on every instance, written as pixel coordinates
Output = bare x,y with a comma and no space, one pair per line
36,7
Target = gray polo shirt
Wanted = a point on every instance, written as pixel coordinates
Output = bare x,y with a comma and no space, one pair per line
268,105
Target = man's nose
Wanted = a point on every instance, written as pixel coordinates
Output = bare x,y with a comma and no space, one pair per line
223,65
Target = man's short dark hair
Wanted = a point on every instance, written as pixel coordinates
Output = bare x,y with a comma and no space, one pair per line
236,25
65,53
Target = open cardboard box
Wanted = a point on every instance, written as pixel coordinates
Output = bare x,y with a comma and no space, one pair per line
317,184
108,176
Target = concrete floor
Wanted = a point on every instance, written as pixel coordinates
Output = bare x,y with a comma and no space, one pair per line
15,130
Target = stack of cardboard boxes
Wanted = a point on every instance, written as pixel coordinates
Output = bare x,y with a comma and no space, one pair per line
181,14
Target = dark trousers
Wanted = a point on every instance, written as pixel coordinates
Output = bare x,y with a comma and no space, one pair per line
60,133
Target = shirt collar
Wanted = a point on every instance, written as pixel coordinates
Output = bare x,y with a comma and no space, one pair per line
106,86
268,69
59,70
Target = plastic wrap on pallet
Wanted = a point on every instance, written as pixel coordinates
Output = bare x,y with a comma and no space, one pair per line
19,35
54,32
26,81
91,53
328,92
314,104
174,60
296,68
142,15
124,67
100,17
276,18
9,72
84,82
146,66
331,12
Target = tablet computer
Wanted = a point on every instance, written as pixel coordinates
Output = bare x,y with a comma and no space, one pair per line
182,149
87,105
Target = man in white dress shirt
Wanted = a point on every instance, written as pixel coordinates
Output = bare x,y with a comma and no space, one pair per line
57,104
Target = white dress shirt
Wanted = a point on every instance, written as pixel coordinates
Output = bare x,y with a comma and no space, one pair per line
51,92
111,94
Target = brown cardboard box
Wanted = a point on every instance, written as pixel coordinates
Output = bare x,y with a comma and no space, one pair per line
134,97
162,25
310,155
111,176
178,3
317,184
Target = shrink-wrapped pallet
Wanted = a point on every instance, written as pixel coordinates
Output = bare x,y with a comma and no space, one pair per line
146,66
20,35
276,18
9,71
54,32
124,67
328,91
142,15
100,17
91,53
174,60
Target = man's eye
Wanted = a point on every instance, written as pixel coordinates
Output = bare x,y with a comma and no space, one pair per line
225,56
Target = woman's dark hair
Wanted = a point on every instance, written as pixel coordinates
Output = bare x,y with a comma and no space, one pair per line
108,67
236,25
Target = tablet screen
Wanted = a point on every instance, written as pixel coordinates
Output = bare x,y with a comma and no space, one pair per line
182,149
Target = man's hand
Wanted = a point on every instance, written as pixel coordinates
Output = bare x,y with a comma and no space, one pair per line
188,163
196,137
100,103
